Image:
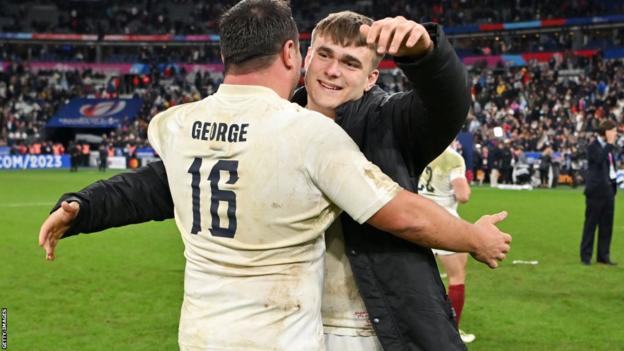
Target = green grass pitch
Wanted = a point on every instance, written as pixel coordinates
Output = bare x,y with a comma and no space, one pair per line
122,289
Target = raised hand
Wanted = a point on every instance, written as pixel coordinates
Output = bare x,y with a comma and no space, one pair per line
398,36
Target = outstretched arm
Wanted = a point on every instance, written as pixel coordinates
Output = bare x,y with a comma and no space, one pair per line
127,198
419,220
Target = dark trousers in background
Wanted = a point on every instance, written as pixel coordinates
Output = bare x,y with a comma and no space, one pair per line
598,213
74,163
103,164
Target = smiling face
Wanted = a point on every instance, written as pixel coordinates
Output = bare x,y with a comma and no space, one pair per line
336,74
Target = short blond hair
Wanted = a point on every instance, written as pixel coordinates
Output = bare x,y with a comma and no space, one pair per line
343,28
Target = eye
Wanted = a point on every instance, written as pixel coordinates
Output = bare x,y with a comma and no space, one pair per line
323,54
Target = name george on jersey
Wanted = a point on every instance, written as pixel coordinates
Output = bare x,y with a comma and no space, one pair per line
231,133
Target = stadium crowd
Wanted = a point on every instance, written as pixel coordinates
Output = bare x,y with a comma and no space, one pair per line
197,17
552,109
28,99
549,109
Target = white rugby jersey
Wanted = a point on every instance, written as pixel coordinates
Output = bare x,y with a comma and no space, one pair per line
343,309
435,180
255,182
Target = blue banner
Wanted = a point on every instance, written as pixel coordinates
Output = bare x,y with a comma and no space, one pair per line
96,113
514,60
34,161
145,152
5,150
613,53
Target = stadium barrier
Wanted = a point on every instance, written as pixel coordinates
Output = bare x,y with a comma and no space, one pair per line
117,162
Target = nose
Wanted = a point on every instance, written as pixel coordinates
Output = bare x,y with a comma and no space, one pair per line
333,69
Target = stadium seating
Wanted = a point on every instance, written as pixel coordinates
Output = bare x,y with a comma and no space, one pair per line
544,90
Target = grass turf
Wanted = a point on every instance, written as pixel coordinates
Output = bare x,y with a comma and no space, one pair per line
122,289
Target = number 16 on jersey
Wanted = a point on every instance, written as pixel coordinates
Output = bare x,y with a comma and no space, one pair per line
218,195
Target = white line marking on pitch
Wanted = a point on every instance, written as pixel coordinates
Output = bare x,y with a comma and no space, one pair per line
28,204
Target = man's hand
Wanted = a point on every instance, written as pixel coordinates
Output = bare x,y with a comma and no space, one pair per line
55,227
398,36
493,245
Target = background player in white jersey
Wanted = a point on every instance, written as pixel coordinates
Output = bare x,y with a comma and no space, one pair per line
219,132
444,181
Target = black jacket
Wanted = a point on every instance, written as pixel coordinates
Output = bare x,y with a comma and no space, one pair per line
597,181
401,133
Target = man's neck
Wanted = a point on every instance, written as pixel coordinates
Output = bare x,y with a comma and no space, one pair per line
601,141
264,78
328,112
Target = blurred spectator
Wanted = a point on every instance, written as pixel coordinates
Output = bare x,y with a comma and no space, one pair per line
545,167
521,173
103,156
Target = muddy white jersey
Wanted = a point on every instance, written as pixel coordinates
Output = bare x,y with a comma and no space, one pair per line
255,181
435,180
343,309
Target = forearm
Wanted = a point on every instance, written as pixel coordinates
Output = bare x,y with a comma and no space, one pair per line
440,80
433,226
127,198
427,118
422,221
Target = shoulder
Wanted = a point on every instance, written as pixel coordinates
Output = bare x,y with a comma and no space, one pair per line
449,158
178,110
172,116
166,123
594,146
305,118
453,155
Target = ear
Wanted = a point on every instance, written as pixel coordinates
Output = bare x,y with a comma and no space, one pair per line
308,58
372,79
289,54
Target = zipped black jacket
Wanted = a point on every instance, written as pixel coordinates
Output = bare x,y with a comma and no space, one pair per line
401,133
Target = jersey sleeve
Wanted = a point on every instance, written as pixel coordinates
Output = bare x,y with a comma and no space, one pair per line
457,167
345,176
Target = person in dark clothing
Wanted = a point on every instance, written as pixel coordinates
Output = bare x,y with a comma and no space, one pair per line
505,163
555,166
75,151
477,163
401,133
544,166
600,189
486,165
103,152
496,162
